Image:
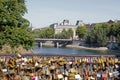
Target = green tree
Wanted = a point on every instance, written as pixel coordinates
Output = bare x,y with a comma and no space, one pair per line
44,33
98,36
118,39
90,38
11,12
17,36
81,31
36,33
65,34
115,30
49,32
13,27
102,32
70,33
112,30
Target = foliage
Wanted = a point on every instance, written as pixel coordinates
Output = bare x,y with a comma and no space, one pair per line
98,35
70,33
13,27
89,39
44,33
20,50
16,37
6,49
81,31
36,33
114,29
11,14
118,39
65,34
48,32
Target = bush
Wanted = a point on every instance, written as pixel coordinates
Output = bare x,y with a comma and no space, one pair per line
7,49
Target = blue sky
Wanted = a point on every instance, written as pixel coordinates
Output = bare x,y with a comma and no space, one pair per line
42,13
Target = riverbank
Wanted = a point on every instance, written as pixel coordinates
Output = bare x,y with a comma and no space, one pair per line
80,47
89,48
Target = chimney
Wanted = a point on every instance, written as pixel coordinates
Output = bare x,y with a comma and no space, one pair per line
79,23
65,22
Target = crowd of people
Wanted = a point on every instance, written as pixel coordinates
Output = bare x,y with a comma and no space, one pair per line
59,67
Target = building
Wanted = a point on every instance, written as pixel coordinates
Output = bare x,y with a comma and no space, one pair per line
65,24
58,27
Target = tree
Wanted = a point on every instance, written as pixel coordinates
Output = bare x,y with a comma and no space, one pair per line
70,33
46,33
98,35
43,33
116,32
13,27
65,34
90,38
36,33
16,37
101,32
114,29
11,14
49,32
81,31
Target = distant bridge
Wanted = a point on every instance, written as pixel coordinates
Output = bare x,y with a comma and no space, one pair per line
44,39
56,42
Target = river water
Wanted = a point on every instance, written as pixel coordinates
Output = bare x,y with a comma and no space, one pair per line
53,50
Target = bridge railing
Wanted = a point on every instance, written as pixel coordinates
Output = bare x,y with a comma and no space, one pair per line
45,39
64,55
50,39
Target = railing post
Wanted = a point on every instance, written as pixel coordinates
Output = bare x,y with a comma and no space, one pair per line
40,44
57,44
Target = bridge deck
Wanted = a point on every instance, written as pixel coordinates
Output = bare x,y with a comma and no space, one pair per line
64,55
43,39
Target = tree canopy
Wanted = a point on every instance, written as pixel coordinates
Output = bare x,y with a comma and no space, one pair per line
65,34
13,27
102,32
43,33
81,31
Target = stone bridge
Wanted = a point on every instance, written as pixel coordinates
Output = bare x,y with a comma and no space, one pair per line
56,42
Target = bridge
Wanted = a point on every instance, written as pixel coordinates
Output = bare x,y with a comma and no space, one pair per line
55,41
62,55
44,39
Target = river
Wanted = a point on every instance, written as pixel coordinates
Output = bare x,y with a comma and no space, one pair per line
53,50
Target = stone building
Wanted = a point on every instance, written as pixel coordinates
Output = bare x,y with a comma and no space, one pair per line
58,27
65,24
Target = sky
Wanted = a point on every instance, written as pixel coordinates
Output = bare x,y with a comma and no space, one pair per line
42,13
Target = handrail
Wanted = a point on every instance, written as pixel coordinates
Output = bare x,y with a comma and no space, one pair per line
64,55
